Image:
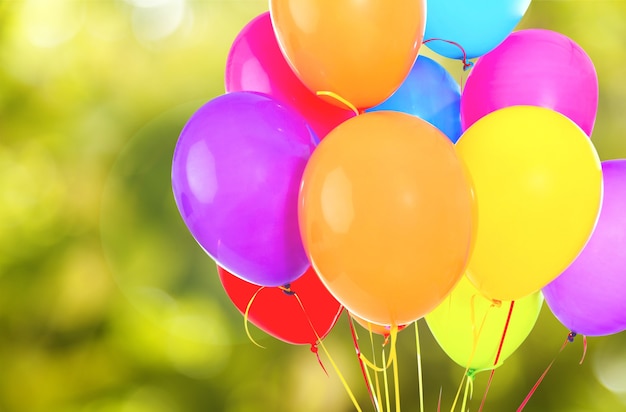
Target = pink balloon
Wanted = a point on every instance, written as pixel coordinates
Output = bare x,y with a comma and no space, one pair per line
533,67
255,63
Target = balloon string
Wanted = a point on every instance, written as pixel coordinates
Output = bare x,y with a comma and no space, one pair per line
461,85
372,365
369,326
476,332
466,64
377,399
396,381
469,382
332,362
495,363
368,382
569,339
439,401
584,350
316,351
245,317
386,383
458,393
392,350
419,367
289,292
387,364
339,99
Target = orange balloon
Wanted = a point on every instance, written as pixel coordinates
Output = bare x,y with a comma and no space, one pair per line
360,50
385,213
383,330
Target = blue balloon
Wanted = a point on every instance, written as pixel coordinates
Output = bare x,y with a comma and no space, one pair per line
430,93
476,25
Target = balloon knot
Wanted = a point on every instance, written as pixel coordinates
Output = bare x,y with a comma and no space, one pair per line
571,336
471,373
315,350
467,65
386,341
287,289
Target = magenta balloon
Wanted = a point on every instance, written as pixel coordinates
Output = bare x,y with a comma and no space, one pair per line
235,175
589,297
533,67
255,63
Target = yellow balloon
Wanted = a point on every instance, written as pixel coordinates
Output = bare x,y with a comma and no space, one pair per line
538,189
469,327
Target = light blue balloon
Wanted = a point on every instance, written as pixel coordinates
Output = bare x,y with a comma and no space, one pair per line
430,93
477,25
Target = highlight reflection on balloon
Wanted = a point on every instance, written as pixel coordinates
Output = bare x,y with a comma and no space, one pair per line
538,188
360,50
235,175
588,297
385,214
533,67
469,327
430,93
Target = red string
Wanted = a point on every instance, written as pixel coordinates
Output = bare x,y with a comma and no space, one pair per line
570,338
495,363
466,64
439,401
315,350
584,350
358,355
290,292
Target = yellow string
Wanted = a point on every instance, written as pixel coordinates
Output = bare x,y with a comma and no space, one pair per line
468,382
392,350
419,368
379,398
386,383
371,364
339,99
332,362
474,344
368,378
245,318
458,392
394,341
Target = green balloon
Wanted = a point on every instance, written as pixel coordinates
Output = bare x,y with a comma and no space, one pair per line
456,325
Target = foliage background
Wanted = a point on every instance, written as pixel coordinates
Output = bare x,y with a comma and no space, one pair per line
106,302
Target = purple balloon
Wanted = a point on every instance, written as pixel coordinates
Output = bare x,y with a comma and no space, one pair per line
589,297
235,176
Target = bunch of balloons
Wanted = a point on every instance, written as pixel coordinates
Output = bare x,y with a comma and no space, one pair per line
345,167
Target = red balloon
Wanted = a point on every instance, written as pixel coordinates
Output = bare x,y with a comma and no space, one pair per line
255,63
278,312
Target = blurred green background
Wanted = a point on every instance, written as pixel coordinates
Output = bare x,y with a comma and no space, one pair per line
107,303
